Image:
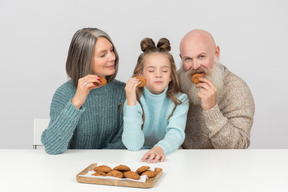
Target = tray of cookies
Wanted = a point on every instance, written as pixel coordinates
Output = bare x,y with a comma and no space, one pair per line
120,175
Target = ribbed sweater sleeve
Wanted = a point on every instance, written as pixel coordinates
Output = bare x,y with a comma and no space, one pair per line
175,130
61,127
133,137
96,125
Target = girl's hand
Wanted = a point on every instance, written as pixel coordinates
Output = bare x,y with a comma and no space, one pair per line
85,85
156,154
130,89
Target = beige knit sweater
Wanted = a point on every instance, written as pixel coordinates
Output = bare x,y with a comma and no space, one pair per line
228,124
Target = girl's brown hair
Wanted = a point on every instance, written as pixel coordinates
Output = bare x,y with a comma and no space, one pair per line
80,54
163,47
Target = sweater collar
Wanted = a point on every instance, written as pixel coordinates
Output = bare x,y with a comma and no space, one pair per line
148,94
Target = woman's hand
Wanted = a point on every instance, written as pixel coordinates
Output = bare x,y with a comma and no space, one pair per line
156,154
130,89
85,85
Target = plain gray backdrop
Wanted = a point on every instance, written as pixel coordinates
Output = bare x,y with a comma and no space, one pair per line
35,37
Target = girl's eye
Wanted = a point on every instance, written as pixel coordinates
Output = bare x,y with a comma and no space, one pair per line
102,55
165,71
150,71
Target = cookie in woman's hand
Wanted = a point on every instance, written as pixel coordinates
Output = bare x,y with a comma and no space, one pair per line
103,82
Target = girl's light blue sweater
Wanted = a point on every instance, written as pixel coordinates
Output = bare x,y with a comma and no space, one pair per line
97,124
158,130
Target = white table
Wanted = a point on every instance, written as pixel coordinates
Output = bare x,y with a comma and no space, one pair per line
183,170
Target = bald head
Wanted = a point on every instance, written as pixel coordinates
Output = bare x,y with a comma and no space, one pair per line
198,49
198,37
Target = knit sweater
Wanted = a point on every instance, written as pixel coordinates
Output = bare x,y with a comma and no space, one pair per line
158,130
228,124
97,124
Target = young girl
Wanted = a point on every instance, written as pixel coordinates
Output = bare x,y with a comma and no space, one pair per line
154,115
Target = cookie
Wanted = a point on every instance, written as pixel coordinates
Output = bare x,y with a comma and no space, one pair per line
149,173
102,168
103,82
142,169
157,170
195,78
131,175
142,81
115,173
99,173
122,168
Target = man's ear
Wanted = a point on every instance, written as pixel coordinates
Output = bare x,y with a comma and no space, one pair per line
217,52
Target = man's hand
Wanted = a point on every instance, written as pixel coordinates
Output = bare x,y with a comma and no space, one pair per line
207,93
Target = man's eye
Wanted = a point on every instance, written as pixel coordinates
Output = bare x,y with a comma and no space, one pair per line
187,59
202,56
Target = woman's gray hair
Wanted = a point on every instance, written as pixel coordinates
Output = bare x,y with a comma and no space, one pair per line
80,54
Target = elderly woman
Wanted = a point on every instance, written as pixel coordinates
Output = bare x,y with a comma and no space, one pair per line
84,114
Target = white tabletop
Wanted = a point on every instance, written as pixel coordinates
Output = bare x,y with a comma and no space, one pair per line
183,170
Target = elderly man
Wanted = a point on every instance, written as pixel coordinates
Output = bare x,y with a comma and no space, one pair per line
221,105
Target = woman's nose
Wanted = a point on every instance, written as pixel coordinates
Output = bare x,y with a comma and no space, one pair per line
112,56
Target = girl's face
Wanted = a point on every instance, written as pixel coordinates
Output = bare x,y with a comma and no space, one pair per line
103,61
157,72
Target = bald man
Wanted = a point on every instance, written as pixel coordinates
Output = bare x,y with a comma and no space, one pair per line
221,106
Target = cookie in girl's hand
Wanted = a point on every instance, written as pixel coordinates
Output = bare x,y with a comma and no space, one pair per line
142,81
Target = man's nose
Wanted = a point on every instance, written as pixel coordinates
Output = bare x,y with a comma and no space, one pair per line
195,65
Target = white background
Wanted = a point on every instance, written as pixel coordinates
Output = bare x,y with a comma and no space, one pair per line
35,37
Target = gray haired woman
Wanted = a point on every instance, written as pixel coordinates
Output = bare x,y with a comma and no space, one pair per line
84,114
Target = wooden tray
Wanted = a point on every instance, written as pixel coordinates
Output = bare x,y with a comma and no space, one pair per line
125,183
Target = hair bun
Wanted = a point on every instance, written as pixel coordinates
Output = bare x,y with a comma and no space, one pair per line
164,44
147,44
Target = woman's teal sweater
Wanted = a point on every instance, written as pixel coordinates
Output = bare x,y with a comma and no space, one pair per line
98,124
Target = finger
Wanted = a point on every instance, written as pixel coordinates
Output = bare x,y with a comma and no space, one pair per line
145,157
156,159
210,83
152,156
162,159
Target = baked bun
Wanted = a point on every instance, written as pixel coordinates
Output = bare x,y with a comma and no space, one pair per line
142,81
195,78
102,83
